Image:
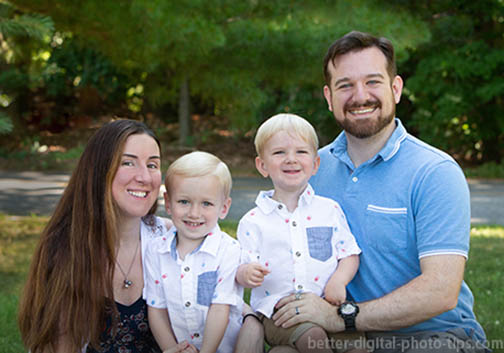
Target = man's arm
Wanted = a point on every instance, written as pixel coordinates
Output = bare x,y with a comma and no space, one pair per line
430,294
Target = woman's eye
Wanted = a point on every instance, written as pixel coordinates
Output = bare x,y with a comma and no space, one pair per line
127,163
152,166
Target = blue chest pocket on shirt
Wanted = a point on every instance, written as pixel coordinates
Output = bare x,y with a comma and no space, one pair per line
206,287
319,242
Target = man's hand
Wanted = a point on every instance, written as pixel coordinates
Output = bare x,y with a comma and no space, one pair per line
309,307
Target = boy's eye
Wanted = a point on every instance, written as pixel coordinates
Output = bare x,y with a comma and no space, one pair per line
207,203
183,202
278,152
302,151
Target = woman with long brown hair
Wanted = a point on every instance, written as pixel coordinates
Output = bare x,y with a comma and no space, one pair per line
84,287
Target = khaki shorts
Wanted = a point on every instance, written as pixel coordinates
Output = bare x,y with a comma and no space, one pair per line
338,342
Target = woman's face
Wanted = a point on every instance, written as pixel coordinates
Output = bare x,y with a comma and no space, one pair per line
136,184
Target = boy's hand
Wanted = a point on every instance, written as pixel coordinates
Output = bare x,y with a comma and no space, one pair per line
182,347
335,292
253,274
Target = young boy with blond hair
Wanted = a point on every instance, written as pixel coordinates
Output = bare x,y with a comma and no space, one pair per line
190,272
293,241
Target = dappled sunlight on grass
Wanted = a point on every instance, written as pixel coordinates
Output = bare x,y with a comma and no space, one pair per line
487,232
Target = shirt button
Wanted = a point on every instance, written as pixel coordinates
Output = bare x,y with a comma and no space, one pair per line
298,254
187,269
196,335
354,179
294,223
280,207
187,304
300,286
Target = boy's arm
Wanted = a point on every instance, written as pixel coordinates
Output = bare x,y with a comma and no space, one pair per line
215,327
335,289
159,322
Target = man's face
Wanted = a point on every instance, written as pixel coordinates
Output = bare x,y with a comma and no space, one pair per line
361,94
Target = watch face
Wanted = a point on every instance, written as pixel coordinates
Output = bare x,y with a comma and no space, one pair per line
347,309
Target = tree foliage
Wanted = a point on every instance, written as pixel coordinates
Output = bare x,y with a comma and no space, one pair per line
239,57
457,84
246,60
20,34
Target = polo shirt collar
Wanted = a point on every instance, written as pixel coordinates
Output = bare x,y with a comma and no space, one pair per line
339,146
267,205
209,245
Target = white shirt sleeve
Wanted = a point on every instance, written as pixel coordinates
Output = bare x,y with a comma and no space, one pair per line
154,294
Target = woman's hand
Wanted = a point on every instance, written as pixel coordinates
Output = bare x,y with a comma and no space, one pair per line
296,308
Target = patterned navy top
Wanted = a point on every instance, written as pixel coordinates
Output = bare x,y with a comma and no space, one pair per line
133,332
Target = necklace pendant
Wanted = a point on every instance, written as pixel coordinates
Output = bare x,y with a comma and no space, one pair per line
127,283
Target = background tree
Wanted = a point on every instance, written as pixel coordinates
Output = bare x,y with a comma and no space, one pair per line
455,81
21,35
235,59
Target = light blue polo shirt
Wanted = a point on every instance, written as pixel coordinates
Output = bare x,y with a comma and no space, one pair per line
409,201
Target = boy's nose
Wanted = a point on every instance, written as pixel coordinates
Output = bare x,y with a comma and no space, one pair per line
194,211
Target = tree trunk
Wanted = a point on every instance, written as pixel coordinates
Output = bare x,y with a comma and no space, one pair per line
184,115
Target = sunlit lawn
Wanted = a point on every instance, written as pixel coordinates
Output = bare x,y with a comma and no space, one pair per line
484,274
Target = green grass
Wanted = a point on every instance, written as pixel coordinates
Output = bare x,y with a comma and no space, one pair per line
484,275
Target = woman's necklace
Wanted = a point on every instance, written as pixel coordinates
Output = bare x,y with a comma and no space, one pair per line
128,283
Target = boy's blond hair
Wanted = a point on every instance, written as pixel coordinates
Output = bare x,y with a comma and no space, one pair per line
198,164
292,124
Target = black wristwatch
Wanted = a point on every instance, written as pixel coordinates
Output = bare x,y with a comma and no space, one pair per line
348,312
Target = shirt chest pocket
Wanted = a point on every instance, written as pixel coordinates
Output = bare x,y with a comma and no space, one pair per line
386,228
319,242
206,287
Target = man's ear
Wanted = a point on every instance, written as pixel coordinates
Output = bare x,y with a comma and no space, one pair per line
260,167
397,87
328,97
225,208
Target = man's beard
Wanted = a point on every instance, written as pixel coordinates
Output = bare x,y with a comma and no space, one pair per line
364,128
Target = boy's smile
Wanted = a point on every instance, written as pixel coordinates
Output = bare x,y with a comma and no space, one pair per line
195,205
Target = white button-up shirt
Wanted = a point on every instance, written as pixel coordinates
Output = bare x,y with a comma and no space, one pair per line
188,287
301,248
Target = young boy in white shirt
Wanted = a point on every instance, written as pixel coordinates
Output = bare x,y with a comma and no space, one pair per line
190,288
293,241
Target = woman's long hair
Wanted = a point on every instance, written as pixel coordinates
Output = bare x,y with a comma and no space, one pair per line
70,277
